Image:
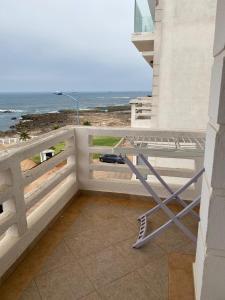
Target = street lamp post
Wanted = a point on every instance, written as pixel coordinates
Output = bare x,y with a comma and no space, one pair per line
76,100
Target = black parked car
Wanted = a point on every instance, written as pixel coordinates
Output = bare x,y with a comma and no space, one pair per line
112,158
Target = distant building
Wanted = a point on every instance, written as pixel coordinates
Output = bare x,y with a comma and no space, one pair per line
175,37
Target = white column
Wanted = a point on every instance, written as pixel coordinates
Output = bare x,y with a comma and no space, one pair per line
133,114
18,193
83,141
209,268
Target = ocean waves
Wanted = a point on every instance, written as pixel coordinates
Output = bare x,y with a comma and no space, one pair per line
10,111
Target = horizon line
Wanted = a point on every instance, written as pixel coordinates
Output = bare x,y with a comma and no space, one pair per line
78,91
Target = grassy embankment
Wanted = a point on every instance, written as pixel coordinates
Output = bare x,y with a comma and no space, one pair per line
108,141
57,148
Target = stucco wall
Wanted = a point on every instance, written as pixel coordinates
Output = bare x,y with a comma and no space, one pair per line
185,63
209,268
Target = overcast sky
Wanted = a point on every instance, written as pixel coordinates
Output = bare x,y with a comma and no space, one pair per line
80,45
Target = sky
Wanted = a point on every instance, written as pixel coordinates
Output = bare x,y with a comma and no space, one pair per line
71,45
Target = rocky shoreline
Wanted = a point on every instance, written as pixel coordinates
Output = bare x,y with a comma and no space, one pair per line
37,124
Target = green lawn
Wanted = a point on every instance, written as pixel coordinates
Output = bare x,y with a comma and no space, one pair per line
105,141
36,159
57,148
109,141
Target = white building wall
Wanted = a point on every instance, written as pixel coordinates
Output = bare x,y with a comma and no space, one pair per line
187,30
209,269
183,58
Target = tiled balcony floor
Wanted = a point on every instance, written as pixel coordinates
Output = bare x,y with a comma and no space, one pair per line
87,254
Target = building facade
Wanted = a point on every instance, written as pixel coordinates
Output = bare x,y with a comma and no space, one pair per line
176,39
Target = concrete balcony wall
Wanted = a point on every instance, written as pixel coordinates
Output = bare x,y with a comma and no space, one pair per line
185,58
143,41
209,268
26,213
86,167
144,112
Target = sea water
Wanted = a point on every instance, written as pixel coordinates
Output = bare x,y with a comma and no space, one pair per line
14,105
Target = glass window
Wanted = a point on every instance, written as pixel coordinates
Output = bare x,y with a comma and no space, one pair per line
143,20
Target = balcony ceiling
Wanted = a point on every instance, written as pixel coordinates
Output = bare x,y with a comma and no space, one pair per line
143,41
148,56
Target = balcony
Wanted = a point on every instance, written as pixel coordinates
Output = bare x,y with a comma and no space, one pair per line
143,112
149,57
70,231
144,16
143,36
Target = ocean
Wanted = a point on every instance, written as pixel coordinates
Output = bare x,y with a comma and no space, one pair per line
13,105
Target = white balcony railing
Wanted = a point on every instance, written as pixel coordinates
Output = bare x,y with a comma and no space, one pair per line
32,198
9,141
26,214
144,16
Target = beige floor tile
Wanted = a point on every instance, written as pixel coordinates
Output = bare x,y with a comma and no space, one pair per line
139,257
188,248
130,287
118,231
181,277
64,221
132,213
29,267
102,214
129,209
188,219
172,239
92,296
60,256
191,223
157,219
86,243
31,293
90,246
155,273
119,200
74,206
94,196
105,267
67,282
82,223
116,210
144,202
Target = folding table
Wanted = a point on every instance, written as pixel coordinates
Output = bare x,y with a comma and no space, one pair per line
181,147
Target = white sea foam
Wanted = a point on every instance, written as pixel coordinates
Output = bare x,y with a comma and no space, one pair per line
11,111
120,97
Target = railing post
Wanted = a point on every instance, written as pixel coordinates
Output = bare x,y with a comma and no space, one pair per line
18,195
6,182
83,141
71,144
198,166
72,159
